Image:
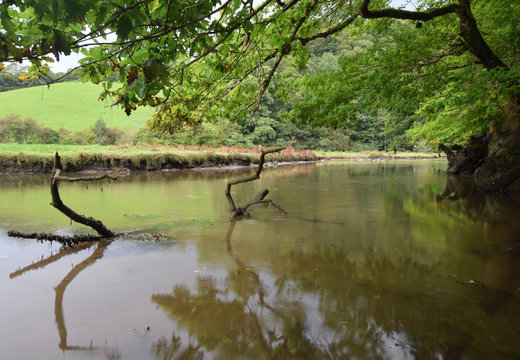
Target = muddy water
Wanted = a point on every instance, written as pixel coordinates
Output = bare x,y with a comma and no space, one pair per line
369,264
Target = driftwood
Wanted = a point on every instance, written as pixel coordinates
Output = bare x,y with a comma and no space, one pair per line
97,225
239,211
62,239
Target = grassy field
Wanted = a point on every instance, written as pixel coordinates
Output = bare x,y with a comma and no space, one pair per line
71,105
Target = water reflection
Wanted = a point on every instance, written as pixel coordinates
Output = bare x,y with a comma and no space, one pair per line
371,263
97,254
252,327
275,171
373,301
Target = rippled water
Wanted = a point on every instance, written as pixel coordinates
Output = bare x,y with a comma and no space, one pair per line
370,263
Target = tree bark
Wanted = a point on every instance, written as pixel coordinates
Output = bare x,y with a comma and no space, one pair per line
496,153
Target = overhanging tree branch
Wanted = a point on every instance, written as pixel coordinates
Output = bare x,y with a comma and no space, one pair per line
468,26
405,14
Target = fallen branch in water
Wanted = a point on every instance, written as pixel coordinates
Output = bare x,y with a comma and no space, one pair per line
62,239
236,212
97,225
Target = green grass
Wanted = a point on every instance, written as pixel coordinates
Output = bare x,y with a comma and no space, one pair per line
70,105
126,150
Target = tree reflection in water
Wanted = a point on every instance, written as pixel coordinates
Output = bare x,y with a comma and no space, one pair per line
237,320
325,303
97,254
444,297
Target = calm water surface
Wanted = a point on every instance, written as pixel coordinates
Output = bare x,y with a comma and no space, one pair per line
369,264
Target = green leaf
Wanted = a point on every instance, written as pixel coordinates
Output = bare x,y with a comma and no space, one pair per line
124,26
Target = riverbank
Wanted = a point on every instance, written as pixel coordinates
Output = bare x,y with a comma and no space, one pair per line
20,159
37,159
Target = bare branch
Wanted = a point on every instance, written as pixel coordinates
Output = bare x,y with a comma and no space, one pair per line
256,175
236,212
405,14
71,214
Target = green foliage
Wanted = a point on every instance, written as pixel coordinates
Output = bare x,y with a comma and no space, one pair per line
201,61
15,130
260,131
27,131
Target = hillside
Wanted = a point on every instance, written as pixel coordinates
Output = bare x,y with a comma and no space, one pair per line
71,105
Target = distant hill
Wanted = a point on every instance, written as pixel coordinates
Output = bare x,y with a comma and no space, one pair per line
70,105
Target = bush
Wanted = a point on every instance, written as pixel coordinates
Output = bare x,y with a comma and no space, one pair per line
27,131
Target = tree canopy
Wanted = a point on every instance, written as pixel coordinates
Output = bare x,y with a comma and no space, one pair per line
446,68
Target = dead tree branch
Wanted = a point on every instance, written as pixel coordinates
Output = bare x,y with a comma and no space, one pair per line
71,214
62,239
236,212
97,225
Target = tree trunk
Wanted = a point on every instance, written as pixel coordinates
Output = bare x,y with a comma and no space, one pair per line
495,155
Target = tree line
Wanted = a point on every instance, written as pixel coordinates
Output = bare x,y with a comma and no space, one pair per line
15,129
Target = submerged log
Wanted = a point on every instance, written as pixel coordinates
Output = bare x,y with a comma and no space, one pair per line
236,212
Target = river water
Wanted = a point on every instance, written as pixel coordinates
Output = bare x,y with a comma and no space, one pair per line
371,262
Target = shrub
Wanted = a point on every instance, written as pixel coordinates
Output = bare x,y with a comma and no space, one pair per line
27,131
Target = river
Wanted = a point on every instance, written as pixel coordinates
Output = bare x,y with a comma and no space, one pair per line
371,262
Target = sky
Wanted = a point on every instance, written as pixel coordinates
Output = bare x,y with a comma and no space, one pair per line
65,63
